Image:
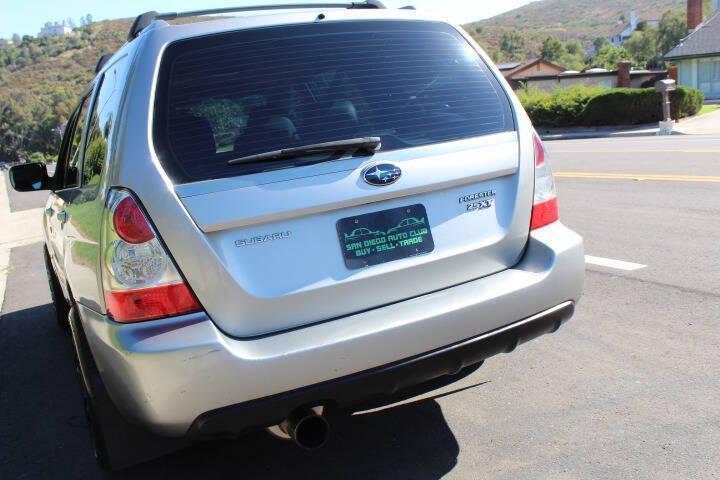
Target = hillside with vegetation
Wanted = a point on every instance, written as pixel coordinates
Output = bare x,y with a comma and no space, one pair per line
520,33
40,82
583,20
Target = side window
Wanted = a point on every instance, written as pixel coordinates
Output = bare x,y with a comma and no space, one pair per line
72,157
105,107
97,138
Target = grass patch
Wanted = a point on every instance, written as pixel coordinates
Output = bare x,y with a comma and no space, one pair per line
708,109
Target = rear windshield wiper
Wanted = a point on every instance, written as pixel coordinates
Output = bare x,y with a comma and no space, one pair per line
369,145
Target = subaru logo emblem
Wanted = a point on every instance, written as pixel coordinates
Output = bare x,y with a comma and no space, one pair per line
381,174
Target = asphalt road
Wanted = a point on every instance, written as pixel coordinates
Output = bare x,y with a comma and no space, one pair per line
628,389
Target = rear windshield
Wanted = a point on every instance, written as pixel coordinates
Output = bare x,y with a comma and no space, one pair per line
237,94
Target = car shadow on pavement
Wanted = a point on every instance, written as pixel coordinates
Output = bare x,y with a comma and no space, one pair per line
411,441
43,432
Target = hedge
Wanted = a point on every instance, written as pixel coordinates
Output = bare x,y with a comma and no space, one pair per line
563,107
595,106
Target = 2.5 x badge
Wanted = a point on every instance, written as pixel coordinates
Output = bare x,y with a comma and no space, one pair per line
478,201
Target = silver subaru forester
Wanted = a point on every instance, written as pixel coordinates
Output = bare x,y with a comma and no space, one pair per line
268,220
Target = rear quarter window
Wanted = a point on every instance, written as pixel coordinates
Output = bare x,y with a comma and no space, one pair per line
237,94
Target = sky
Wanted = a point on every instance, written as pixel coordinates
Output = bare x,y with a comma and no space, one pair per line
26,17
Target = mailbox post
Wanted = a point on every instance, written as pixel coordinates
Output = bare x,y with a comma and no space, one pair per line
665,87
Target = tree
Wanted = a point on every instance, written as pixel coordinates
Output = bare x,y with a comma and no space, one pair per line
513,44
16,38
552,49
672,28
37,157
570,54
571,62
71,23
498,56
609,56
643,45
574,47
600,42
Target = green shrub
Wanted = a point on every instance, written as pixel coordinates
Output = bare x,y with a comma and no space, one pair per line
623,106
595,106
633,106
37,157
686,102
561,108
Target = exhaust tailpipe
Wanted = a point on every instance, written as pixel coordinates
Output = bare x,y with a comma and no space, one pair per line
309,430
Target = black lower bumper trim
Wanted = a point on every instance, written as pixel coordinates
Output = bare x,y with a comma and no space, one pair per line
381,382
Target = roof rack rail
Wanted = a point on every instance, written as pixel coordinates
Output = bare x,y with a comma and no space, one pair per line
144,20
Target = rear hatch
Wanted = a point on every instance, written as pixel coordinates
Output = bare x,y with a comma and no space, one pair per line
320,234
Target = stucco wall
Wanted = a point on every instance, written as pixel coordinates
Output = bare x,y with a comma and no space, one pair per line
608,81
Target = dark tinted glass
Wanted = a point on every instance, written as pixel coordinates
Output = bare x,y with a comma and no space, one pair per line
73,157
96,147
249,92
102,121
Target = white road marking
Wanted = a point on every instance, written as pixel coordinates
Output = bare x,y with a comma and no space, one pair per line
616,264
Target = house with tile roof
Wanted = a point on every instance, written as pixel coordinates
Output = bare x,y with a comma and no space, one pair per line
529,68
697,57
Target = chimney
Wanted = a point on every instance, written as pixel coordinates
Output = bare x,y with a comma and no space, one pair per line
694,14
623,80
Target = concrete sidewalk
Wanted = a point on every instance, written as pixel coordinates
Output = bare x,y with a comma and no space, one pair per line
648,130
16,229
708,124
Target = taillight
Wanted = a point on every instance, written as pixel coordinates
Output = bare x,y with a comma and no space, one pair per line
545,205
129,222
140,279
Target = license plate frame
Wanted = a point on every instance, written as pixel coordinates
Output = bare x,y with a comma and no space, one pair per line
385,236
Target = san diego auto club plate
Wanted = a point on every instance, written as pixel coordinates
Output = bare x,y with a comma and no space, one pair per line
385,236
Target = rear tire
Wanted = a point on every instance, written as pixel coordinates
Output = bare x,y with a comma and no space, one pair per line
117,443
61,306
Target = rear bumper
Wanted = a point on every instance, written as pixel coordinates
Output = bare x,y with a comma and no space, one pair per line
183,375
382,382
